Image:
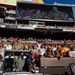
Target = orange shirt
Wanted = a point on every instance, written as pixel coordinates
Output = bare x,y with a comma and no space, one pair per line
65,49
37,54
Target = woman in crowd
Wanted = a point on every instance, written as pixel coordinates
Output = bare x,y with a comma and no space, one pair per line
49,52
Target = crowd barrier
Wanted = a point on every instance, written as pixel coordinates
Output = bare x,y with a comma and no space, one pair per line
17,50
7,52
55,66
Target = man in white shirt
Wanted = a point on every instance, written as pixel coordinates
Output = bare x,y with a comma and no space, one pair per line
72,53
8,46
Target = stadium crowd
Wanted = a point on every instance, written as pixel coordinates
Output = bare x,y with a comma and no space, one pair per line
44,47
37,48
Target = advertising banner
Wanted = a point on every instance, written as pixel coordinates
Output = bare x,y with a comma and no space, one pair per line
11,2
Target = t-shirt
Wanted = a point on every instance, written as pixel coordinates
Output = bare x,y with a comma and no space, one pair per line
72,53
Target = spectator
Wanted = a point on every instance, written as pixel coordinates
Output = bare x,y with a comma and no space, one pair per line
8,46
37,15
17,45
17,56
1,52
49,52
72,52
42,50
65,50
27,64
26,47
58,53
68,18
57,15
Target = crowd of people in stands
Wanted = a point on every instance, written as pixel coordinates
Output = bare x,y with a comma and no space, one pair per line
53,14
37,47
44,47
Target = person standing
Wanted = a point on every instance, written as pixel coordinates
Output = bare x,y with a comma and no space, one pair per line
57,15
